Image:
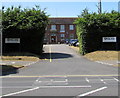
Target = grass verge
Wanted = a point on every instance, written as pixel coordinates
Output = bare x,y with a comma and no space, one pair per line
20,56
100,55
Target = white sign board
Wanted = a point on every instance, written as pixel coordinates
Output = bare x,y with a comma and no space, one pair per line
12,40
109,39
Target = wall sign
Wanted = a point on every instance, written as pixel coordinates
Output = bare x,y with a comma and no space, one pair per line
12,40
109,39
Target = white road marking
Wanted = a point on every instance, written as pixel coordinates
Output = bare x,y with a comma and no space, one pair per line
30,63
101,80
66,80
51,80
104,63
37,80
21,92
104,82
13,62
83,86
16,87
93,91
116,79
87,80
58,81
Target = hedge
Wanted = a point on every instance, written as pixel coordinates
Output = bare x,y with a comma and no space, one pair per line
92,27
28,25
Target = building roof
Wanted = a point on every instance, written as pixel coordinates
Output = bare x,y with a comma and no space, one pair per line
62,20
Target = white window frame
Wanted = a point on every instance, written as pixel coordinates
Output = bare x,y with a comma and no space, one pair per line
71,27
62,28
62,35
53,27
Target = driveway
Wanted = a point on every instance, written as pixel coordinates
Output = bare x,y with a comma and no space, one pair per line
62,72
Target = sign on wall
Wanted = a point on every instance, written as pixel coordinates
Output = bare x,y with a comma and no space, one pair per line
12,40
109,39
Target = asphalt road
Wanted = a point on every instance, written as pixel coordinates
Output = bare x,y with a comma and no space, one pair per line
62,72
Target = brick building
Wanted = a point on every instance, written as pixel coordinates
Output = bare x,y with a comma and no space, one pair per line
60,30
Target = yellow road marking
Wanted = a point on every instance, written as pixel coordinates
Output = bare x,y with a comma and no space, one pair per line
50,50
44,59
59,76
116,65
50,60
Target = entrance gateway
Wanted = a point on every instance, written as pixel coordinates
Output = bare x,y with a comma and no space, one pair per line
53,38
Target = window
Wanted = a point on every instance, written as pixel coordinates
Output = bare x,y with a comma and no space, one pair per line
62,39
71,27
62,28
71,36
53,27
53,34
62,35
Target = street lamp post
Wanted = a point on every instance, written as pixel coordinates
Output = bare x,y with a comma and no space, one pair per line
99,7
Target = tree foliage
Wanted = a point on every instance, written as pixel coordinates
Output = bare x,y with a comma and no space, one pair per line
24,18
27,24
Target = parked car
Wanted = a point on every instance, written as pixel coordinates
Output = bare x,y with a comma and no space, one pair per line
76,44
67,41
72,41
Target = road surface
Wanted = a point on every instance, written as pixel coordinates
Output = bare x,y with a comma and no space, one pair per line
62,72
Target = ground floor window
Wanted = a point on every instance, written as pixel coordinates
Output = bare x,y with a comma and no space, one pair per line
62,35
62,39
71,36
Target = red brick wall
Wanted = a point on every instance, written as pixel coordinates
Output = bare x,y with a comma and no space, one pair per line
67,30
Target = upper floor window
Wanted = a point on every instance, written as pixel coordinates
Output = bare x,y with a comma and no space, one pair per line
53,34
62,28
71,27
53,27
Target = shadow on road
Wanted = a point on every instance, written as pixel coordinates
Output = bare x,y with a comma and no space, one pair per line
55,55
6,70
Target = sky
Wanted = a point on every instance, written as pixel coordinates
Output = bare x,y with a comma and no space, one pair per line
66,9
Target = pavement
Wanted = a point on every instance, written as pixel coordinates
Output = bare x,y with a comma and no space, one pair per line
105,62
62,72
23,63
109,62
